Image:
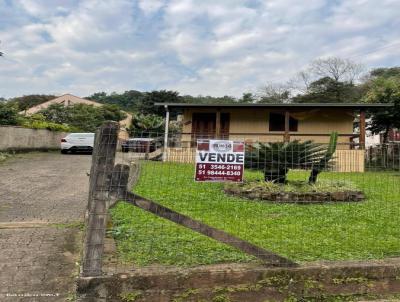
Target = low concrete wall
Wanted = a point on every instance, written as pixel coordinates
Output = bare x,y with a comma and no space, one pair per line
24,139
331,281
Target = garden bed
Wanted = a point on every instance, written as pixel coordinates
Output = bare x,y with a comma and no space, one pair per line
296,191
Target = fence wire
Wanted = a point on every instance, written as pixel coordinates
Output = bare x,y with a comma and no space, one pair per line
296,205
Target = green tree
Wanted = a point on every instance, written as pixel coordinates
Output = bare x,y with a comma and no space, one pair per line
146,104
274,93
147,125
9,114
129,100
385,72
328,90
384,90
56,113
111,112
28,101
329,80
82,116
247,98
201,99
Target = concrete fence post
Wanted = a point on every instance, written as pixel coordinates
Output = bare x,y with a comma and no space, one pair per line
103,159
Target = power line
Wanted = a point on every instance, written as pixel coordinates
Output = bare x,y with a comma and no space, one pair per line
375,50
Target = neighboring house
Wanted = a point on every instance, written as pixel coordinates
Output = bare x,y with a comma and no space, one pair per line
271,123
69,99
393,137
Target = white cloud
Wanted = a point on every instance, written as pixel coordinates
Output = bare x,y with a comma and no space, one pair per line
151,6
199,47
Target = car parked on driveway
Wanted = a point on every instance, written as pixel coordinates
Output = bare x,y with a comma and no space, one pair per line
139,145
77,142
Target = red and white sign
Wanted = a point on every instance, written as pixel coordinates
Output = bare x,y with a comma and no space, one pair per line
219,160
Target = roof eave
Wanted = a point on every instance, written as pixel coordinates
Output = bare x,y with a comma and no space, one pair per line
292,105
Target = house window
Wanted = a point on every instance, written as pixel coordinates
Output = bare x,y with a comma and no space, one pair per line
277,122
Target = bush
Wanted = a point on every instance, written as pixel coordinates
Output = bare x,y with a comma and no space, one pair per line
81,116
8,114
38,121
275,159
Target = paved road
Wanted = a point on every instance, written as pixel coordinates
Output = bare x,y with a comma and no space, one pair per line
42,202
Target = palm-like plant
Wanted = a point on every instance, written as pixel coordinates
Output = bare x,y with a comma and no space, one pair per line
275,159
325,161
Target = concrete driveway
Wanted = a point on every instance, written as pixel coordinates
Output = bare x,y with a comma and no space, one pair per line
43,198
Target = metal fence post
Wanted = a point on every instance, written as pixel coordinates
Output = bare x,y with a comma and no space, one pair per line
100,177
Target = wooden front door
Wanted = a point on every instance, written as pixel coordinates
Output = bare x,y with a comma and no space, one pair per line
225,119
204,126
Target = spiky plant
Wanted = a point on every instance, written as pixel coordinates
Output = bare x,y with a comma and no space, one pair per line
275,159
325,161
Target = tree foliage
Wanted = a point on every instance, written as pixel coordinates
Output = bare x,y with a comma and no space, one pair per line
128,100
328,90
330,80
385,72
274,93
147,125
146,105
9,114
81,116
31,100
384,90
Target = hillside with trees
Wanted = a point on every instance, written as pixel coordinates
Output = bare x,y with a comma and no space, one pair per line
329,80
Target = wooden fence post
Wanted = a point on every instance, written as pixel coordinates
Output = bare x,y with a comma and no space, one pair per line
100,180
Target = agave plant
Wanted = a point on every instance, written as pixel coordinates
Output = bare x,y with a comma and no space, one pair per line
276,159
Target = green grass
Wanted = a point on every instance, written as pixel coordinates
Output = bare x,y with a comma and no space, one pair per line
366,230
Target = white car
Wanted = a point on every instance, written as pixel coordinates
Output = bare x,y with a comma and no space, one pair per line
75,142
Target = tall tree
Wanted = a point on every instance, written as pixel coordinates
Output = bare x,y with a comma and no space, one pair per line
247,98
274,93
128,100
146,105
327,90
384,90
340,70
330,80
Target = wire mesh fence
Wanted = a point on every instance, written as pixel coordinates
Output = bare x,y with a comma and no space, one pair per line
299,201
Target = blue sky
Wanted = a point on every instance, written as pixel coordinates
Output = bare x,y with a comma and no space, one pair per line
208,47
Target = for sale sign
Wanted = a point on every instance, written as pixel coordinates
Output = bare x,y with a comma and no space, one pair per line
219,160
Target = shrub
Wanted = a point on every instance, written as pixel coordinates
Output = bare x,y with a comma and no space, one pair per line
38,121
275,159
8,114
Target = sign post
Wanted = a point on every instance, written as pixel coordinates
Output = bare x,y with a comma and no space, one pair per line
219,160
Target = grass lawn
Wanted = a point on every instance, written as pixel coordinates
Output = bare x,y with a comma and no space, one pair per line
366,230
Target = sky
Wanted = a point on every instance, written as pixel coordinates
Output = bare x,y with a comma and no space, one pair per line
197,47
